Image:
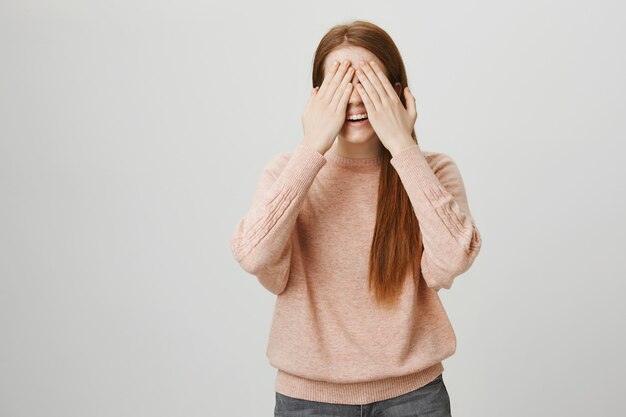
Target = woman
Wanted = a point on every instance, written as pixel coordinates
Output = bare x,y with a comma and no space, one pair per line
356,238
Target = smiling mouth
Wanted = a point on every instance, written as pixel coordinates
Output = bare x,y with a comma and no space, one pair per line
356,123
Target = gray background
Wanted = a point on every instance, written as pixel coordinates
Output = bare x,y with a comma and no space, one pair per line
132,135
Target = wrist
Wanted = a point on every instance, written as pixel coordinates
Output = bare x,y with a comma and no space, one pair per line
313,145
400,145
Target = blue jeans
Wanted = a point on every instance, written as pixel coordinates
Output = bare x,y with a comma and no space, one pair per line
430,400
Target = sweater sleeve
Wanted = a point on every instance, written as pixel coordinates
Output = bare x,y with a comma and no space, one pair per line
451,240
261,241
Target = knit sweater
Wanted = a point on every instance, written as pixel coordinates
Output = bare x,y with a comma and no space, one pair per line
307,239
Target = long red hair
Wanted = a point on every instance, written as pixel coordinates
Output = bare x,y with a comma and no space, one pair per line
396,244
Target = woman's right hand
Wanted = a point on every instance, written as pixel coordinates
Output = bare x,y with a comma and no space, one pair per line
325,112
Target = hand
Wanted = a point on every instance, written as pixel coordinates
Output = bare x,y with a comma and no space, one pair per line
325,112
389,119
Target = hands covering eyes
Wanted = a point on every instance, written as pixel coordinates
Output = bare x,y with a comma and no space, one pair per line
389,119
325,111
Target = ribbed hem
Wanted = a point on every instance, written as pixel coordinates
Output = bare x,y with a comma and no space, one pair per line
359,393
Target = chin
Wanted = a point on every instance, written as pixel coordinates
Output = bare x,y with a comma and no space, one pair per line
357,135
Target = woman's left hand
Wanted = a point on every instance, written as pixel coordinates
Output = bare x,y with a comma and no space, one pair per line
389,119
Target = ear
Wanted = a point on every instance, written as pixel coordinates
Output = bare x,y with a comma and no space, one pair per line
398,88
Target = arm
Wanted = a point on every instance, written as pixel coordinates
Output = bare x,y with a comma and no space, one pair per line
261,241
450,237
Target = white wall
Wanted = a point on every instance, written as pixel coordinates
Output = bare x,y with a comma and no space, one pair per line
132,135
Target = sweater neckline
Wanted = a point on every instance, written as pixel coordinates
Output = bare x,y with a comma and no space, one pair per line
353,162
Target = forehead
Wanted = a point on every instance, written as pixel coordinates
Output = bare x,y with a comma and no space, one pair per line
354,54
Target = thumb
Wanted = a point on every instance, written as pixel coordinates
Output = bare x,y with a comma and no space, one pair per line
410,103
313,92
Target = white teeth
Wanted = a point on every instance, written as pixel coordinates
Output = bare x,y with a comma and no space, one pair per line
357,116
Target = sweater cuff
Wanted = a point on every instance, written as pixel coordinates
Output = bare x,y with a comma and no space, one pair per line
302,167
411,163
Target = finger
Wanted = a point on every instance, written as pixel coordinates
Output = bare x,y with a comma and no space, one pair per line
382,82
369,88
328,77
373,77
369,105
329,93
343,102
341,89
410,103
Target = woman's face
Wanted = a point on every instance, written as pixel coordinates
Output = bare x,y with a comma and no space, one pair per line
355,54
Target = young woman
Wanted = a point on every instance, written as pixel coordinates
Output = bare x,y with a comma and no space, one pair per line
356,237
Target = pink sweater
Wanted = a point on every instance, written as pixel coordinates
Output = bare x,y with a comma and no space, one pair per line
307,238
